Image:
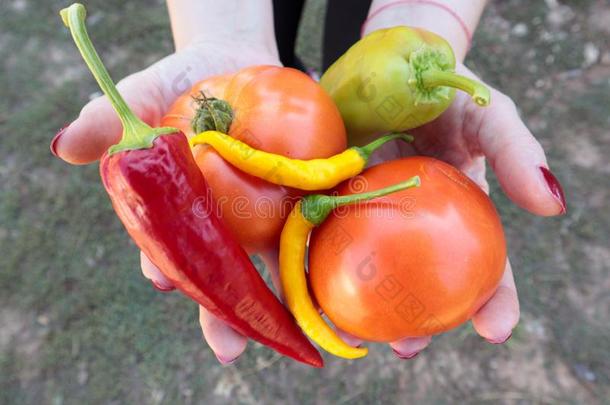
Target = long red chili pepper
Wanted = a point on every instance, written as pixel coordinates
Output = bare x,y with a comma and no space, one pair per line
164,202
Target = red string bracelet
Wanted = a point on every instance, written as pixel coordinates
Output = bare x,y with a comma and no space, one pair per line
428,2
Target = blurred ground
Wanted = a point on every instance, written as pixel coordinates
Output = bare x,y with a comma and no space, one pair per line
79,324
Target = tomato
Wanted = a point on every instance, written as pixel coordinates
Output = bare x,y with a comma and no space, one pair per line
414,263
278,110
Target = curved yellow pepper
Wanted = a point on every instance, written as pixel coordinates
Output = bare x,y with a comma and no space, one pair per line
308,213
314,174
294,283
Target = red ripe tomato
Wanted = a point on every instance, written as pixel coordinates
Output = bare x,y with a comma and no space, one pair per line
414,263
275,109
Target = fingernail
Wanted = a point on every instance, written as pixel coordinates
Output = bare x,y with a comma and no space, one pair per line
161,287
500,341
224,361
53,145
407,356
555,188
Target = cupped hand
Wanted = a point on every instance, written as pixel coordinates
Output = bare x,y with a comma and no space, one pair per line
150,93
465,136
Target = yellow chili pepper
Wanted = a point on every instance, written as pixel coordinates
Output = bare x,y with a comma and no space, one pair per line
314,174
308,213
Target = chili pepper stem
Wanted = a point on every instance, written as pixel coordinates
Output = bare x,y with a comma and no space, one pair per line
366,150
433,77
136,133
316,207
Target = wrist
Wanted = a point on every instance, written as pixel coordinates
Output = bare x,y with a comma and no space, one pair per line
220,55
236,22
265,52
454,20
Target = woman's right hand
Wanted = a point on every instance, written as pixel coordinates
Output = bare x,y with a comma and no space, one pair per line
150,93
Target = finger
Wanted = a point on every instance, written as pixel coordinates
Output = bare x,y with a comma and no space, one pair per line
271,260
518,160
410,347
392,150
98,126
226,343
515,156
349,338
155,276
497,318
476,172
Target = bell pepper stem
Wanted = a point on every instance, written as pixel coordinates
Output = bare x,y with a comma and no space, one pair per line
366,150
479,92
316,207
136,133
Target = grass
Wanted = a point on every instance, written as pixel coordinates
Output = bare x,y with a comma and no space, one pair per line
80,323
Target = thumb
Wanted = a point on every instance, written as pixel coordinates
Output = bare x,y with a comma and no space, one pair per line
515,155
98,126
518,160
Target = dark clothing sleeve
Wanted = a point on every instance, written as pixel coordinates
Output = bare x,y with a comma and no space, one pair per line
341,28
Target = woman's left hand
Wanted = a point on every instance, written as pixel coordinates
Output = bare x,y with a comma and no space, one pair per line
465,136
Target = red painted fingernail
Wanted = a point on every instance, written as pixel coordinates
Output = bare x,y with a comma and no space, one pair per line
554,187
500,341
162,288
226,362
53,145
407,356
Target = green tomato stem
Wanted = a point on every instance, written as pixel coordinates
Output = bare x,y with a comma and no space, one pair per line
316,207
136,133
479,92
366,150
212,114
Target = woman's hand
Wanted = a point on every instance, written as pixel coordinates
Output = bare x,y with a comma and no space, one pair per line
150,93
465,136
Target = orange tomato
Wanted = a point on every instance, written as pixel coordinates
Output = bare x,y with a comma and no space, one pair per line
278,110
414,263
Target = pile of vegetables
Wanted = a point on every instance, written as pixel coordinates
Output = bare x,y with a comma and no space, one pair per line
425,245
